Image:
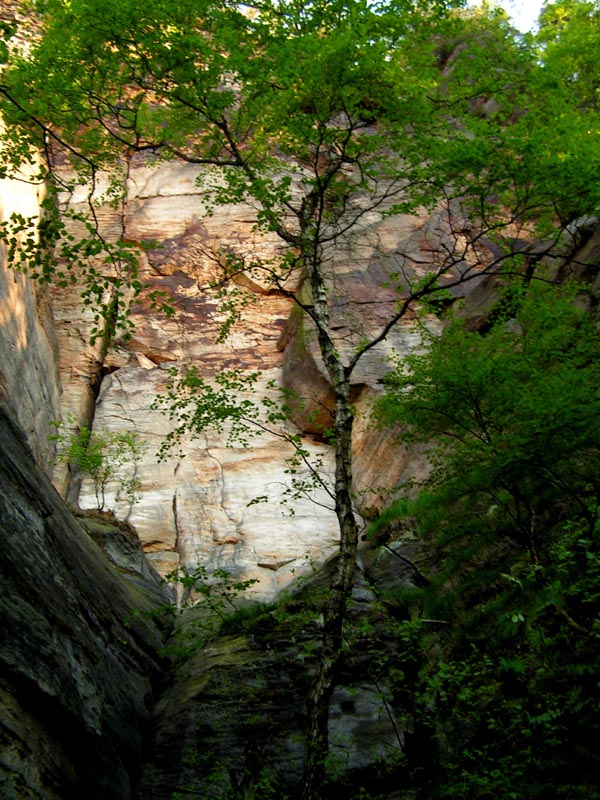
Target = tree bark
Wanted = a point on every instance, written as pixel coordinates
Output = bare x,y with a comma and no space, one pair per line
334,611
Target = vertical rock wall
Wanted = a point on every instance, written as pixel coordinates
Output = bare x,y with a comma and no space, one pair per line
76,667
29,380
197,506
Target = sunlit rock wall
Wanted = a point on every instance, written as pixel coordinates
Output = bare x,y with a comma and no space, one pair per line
28,364
198,505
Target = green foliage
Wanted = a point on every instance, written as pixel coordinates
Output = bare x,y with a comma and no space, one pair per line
253,781
326,116
7,31
311,136
319,114
227,404
218,599
198,405
514,413
569,35
217,589
508,688
104,457
50,247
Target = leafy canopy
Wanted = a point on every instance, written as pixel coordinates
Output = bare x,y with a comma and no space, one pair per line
315,112
514,413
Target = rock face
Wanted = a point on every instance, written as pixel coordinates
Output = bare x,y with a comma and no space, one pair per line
76,670
199,508
77,676
196,506
28,356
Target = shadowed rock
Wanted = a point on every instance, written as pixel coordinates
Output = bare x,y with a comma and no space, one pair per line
76,670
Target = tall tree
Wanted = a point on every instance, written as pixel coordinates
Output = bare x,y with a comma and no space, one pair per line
323,115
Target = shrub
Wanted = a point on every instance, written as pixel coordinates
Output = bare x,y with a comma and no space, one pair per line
102,456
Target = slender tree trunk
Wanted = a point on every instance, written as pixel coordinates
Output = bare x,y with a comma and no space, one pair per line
334,611
334,615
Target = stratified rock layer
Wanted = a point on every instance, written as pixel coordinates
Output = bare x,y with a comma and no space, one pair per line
198,506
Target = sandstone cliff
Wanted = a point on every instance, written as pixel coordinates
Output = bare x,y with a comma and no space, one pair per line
87,707
197,509
76,705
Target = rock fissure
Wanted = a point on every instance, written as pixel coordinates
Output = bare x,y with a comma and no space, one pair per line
233,529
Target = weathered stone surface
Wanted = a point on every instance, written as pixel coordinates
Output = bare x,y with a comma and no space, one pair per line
196,509
382,464
230,713
120,543
28,359
75,676
193,509
76,669
364,301
200,504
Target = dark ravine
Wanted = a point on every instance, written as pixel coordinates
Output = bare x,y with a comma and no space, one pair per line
233,721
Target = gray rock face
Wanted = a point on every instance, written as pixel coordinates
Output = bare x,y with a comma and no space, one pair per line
76,670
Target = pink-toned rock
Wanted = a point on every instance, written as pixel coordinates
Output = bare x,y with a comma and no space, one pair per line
201,508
